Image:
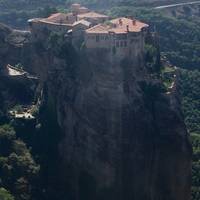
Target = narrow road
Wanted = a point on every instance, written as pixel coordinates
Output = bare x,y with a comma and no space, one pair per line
176,5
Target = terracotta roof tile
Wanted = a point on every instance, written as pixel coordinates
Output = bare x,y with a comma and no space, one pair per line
100,28
58,18
119,26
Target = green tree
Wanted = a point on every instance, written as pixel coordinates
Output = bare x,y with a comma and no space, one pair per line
196,167
18,170
190,94
5,195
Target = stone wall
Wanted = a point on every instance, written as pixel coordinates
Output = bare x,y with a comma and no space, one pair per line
120,46
96,40
78,33
41,29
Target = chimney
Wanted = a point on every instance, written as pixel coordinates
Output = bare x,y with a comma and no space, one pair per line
134,22
120,22
127,28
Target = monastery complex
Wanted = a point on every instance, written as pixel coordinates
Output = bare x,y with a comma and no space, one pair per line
122,37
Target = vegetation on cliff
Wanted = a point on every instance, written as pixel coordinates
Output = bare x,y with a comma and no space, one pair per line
5,195
190,93
18,170
196,167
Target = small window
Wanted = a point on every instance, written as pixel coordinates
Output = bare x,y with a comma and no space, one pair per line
97,38
114,50
121,44
117,44
125,43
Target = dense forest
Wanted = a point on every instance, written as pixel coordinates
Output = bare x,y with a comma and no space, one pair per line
18,170
190,94
179,36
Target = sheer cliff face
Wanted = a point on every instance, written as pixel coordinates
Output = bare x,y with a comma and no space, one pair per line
119,141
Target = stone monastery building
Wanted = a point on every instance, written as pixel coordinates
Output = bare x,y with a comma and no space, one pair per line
122,37
79,19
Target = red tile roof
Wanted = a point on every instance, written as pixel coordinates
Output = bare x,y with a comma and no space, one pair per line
100,28
58,18
119,26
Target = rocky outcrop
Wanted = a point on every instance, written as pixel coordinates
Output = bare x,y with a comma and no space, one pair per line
123,140
12,45
17,87
17,90
123,137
